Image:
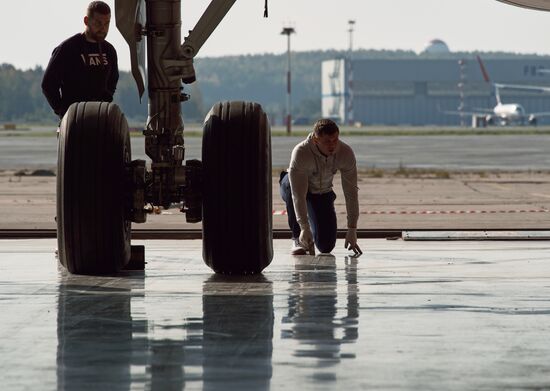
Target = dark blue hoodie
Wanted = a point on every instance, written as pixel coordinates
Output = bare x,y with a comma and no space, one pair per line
80,71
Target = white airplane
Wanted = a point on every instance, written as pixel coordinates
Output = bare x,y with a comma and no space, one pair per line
506,113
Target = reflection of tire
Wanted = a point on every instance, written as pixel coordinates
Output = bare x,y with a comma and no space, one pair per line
93,314
237,199
247,319
94,149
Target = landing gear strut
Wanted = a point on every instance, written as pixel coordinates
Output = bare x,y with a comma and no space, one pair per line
101,191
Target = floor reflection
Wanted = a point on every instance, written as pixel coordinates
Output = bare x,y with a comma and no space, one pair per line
314,317
166,366
104,344
178,326
238,333
94,332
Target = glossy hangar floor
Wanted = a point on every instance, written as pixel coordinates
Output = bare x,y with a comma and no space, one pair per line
404,316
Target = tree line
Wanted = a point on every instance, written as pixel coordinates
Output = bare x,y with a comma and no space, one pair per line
260,78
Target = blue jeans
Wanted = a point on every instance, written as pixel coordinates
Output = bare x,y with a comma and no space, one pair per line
321,215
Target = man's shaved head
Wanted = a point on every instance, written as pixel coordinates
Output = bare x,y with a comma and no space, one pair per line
99,7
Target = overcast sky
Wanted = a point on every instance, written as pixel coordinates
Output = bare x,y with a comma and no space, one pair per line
30,29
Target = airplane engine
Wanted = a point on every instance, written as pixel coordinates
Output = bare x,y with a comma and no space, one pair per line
532,120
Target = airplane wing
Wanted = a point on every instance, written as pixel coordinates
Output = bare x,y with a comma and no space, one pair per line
478,113
521,87
542,114
485,111
541,5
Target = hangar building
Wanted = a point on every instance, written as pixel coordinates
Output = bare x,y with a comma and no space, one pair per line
418,91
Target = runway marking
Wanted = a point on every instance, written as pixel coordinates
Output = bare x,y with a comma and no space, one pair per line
435,212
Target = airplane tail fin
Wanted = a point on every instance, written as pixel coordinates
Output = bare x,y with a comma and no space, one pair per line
483,70
488,79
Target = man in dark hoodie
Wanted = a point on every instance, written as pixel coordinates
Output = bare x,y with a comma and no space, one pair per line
307,190
84,67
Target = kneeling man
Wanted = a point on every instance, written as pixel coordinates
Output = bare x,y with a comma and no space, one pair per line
307,190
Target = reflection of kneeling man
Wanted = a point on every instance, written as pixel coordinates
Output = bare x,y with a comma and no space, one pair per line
307,190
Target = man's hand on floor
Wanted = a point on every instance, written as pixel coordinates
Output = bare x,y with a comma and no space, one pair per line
351,242
306,237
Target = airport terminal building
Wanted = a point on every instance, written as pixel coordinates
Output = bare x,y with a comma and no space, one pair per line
418,92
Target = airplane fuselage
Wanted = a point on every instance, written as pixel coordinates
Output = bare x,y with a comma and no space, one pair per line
511,112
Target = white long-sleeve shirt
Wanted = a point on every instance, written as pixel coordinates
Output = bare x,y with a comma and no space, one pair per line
311,171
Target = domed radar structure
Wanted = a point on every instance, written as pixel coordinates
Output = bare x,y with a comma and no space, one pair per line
101,191
436,46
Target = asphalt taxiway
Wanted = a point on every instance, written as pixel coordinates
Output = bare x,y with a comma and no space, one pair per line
406,315
450,152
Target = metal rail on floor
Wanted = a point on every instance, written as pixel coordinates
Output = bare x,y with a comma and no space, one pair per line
183,233
187,234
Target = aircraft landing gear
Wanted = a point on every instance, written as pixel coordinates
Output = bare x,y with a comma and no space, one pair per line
237,195
93,229
100,191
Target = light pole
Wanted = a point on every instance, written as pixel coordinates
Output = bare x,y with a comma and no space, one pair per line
349,111
288,31
351,24
461,89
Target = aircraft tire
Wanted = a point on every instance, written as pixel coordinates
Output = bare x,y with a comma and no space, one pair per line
93,233
237,195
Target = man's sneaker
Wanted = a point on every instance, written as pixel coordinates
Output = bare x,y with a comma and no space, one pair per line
297,248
